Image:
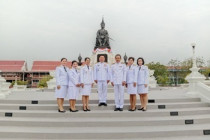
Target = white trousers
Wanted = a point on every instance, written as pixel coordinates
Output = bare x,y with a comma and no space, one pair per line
119,95
102,91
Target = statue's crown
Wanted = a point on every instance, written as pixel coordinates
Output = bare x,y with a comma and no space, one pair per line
102,22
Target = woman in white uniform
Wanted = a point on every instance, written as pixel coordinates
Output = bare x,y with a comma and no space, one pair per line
87,81
131,75
73,86
61,75
142,82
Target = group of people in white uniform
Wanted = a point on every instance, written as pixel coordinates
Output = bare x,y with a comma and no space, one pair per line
70,82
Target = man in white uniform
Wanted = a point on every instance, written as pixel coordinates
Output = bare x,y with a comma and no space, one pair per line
102,78
118,78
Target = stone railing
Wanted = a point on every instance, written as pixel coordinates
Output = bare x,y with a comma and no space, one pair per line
19,87
203,91
4,88
197,86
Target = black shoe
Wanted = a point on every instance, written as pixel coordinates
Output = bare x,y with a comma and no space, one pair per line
61,111
121,109
131,110
141,108
116,109
85,110
88,110
73,110
105,104
100,104
144,109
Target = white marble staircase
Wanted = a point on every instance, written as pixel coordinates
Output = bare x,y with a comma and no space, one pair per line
166,118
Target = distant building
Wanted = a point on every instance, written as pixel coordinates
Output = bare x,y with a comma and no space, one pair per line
12,69
40,69
17,69
177,73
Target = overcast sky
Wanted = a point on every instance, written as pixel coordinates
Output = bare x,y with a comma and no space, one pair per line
158,30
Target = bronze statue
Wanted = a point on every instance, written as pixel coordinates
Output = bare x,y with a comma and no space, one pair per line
102,38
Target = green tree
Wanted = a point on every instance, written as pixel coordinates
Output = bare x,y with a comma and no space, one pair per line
19,82
43,81
206,73
161,72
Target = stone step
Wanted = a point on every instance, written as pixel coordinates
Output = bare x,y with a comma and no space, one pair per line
102,132
41,120
109,107
105,122
162,138
174,100
96,118
107,113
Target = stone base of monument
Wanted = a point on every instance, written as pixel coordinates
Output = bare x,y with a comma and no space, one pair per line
109,56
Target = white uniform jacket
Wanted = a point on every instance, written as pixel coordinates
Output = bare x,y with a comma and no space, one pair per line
86,75
61,75
131,74
74,77
143,75
118,73
101,72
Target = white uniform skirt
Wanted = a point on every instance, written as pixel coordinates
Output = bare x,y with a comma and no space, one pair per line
73,92
142,89
86,90
131,89
62,92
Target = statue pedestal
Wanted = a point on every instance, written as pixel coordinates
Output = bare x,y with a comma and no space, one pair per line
109,56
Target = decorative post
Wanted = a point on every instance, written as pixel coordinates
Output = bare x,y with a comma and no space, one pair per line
125,59
194,77
80,60
16,80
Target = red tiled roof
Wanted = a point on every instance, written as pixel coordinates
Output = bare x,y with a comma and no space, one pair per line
11,62
46,65
11,66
